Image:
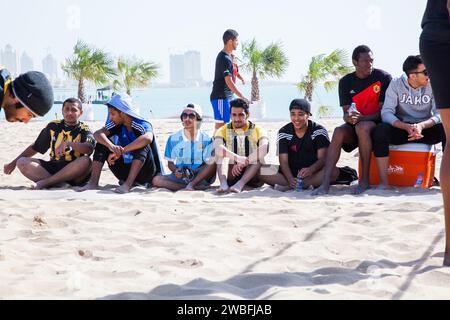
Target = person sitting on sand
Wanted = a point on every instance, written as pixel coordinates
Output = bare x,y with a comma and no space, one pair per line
189,153
302,149
244,145
366,87
135,157
70,142
409,115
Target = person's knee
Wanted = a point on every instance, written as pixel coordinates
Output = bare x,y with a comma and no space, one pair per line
365,128
84,163
157,181
23,163
338,135
380,133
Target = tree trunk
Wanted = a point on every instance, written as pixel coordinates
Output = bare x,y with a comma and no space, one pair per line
255,87
81,94
309,92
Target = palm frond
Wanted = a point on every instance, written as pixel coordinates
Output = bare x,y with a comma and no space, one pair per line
326,69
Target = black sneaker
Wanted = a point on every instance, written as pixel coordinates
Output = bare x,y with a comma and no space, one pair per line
436,182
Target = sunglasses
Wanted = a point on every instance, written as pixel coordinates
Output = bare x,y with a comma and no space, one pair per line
425,72
191,116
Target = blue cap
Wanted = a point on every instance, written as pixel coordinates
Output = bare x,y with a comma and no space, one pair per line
124,103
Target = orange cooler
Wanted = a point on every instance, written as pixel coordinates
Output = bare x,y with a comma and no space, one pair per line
406,163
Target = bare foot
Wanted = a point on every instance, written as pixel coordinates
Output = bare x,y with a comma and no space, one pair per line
224,188
123,189
281,188
189,188
361,188
237,188
320,191
89,186
40,185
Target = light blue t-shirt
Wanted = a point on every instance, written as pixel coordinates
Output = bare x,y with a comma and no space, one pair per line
189,154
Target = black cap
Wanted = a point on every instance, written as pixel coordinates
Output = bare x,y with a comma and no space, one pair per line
301,104
34,92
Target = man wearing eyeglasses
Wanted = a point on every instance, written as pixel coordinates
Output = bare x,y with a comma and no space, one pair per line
29,95
409,114
189,153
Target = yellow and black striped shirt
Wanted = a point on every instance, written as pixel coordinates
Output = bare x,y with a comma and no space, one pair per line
56,132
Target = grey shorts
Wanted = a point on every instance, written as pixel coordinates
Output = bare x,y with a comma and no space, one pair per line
203,183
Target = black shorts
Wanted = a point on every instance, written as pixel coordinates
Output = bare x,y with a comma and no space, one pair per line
436,57
54,167
347,147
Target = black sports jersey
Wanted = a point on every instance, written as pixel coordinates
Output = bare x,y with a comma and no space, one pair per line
366,93
56,132
224,68
302,152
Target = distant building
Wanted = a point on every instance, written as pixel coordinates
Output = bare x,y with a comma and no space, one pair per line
176,68
9,60
185,69
50,67
26,63
192,66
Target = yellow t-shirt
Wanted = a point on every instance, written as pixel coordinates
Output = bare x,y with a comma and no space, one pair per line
243,142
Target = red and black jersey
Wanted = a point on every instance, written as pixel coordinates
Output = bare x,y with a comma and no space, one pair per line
366,93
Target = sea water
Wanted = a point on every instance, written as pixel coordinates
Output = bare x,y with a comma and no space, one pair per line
157,103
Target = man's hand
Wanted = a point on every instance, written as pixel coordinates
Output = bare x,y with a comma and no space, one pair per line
9,168
242,161
179,174
355,117
293,182
305,173
117,150
416,133
237,170
61,149
408,128
113,158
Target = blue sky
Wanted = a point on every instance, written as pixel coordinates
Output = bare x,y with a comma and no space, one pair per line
153,29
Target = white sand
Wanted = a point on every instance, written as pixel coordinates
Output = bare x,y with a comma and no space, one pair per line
262,244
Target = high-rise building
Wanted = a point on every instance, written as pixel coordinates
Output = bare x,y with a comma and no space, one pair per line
26,63
185,68
49,67
176,68
9,60
192,66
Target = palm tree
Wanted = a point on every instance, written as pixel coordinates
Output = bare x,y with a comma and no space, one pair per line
324,69
270,62
88,64
134,73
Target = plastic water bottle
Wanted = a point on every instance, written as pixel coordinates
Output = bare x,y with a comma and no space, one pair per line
419,181
352,108
299,187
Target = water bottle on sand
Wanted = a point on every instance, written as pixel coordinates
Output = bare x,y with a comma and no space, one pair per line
299,187
419,181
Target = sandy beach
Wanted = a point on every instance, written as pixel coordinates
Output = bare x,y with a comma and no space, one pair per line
261,244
